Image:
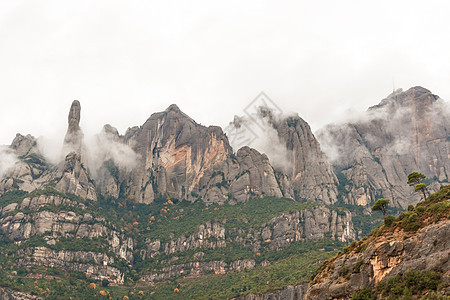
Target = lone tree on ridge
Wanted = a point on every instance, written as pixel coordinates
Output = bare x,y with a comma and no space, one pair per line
415,179
381,204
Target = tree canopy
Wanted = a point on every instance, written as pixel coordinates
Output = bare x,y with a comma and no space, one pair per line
381,204
421,187
415,178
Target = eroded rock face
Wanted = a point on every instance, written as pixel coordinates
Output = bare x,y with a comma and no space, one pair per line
385,257
95,265
291,292
197,268
73,141
311,224
303,171
30,170
408,131
184,160
175,152
19,226
75,178
312,176
8,294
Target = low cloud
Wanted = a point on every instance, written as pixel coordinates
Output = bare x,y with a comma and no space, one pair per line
7,160
390,127
107,146
257,130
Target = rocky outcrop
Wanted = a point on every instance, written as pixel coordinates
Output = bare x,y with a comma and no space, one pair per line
291,292
309,224
208,236
303,171
75,178
386,257
392,250
175,152
73,141
20,226
197,268
408,131
181,159
30,170
8,294
95,265
248,174
312,176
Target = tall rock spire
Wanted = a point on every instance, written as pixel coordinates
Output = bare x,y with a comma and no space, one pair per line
74,136
75,177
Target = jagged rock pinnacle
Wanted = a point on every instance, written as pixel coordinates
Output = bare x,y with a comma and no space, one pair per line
174,108
74,117
74,136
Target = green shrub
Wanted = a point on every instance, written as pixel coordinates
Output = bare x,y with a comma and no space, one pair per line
365,294
410,207
389,220
420,209
411,283
105,282
361,248
357,267
410,222
344,271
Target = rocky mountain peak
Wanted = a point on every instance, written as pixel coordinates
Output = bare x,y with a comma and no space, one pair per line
416,97
111,131
23,145
173,108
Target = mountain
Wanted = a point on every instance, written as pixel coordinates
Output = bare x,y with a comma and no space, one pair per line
169,210
165,201
408,131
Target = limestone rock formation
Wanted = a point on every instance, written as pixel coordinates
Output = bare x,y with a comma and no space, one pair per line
312,175
303,171
43,221
73,141
288,293
181,159
8,294
408,131
29,169
75,178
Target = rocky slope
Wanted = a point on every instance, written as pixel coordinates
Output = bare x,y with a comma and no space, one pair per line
408,131
415,246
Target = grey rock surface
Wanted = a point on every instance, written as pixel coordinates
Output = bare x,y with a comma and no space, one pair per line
408,131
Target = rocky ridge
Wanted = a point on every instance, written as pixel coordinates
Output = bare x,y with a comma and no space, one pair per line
408,131
418,240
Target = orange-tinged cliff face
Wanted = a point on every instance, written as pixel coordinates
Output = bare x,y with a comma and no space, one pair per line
181,159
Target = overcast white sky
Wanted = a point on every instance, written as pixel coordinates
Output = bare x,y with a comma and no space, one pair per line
127,59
